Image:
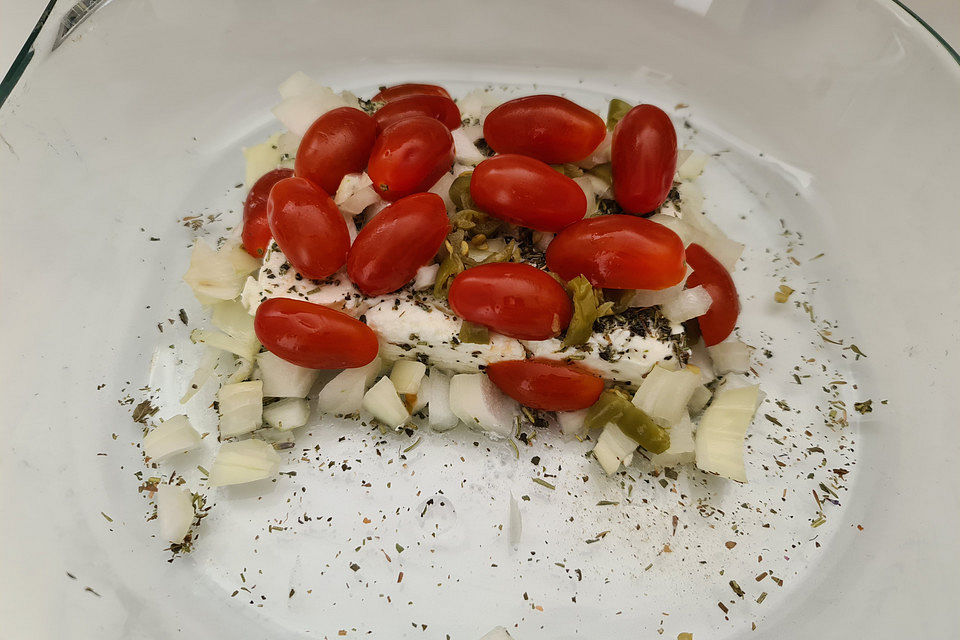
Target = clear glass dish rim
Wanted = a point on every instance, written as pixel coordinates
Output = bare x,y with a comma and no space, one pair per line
86,7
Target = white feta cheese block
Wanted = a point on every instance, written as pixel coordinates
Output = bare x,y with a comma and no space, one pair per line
409,328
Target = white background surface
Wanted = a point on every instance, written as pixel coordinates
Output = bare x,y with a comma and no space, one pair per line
17,18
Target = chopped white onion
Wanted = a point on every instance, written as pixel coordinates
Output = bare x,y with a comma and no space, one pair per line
493,245
296,84
600,155
351,226
663,395
701,359
614,448
407,375
514,522
299,111
383,401
343,394
700,399
172,436
587,184
426,276
481,405
442,188
287,413
476,104
689,303
692,166
464,148
681,448
719,442
497,633
288,144
262,158
250,295
174,511
282,379
691,200
208,363
436,391
244,461
571,422
542,240
730,356
232,318
218,340
355,194
216,275
241,408
687,233
682,155
243,371
714,240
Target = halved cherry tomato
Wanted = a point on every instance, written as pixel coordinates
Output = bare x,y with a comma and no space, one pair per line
720,319
437,107
398,241
644,158
389,94
308,227
513,299
548,128
313,336
527,192
618,252
410,156
546,384
256,231
337,143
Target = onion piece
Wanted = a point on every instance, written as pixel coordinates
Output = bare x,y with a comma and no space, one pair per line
174,511
208,363
299,111
723,426
232,318
691,166
542,240
222,341
407,375
296,84
588,186
464,148
426,276
481,405
701,360
681,448
286,414
216,275
700,399
241,408
243,371
572,422
614,448
262,158
355,194
600,155
689,303
385,404
663,395
436,391
244,461
442,188
730,356
282,379
343,394
514,522
172,436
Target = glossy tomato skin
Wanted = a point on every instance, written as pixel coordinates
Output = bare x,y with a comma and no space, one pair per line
513,299
546,384
527,192
256,231
337,143
437,107
410,156
389,94
644,159
308,227
399,240
548,128
313,336
619,252
721,318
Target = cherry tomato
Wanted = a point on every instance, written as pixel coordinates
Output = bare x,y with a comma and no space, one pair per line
437,107
398,241
313,336
644,158
546,384
548,128
308,227
720,319
389,94
337,143
618,252
513,299
256,232
410,156
527,192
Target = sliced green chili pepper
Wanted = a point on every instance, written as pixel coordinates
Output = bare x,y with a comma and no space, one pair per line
613,406
618,108
588,305
474,333
460,191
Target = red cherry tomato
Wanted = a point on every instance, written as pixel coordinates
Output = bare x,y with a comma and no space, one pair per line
618,252
399,240
546,384
437,107
256,232
313,336
337,143
308,227
548,128
527,192
389,94
644,158
410,156
513,299
720,319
